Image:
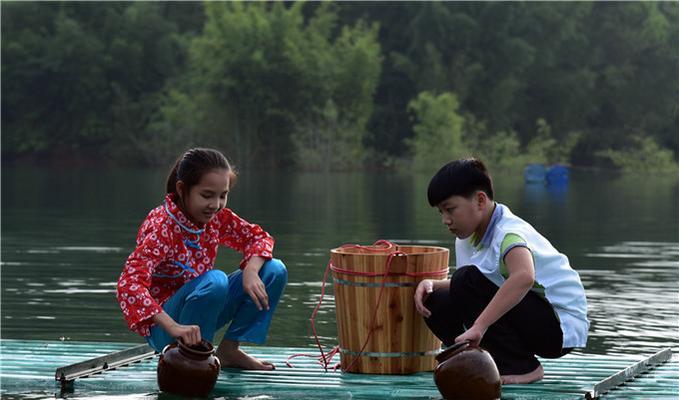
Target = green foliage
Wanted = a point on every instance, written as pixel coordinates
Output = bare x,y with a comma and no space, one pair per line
327,143
600,69
545,149
501,151
271,86
325,85
82,78
352,67
642,156
438,131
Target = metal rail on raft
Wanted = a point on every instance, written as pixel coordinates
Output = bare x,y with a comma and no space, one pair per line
66,375
628,373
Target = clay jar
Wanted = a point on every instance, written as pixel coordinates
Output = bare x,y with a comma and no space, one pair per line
466,372
188,370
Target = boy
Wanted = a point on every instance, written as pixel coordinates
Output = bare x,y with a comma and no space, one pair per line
512,292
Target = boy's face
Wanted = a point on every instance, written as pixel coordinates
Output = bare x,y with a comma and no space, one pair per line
462,215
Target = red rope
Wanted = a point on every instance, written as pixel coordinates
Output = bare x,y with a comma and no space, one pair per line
377,306
324,359
379,246
409,274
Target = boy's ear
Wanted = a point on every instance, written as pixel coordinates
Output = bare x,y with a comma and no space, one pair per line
481,198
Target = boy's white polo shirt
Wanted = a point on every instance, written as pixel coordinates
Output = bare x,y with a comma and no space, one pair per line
562,286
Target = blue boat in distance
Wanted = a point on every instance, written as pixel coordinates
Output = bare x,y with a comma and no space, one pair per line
554,175
557,174
534,173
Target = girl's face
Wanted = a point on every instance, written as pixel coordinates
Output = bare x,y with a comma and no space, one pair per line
462,215
208,196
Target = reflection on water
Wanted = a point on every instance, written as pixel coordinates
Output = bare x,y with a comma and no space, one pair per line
66,235
633,305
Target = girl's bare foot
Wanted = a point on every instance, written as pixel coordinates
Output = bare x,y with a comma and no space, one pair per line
231,356
533,376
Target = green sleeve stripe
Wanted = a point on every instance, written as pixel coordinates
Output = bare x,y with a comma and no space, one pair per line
510,241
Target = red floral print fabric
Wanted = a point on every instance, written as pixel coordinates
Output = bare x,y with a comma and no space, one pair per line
171,251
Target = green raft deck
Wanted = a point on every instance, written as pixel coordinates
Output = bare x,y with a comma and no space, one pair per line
27,370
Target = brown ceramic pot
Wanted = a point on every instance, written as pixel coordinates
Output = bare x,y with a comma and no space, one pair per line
466,372
188,370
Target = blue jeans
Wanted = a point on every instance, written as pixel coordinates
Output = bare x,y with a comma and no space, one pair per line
214,299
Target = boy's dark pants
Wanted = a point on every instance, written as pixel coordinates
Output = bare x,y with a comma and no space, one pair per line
530,328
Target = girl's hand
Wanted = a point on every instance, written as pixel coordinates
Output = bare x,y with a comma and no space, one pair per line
188,334
254,287
473,334
424,289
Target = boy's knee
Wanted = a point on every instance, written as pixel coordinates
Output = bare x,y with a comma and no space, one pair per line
276,270
462,276
437,301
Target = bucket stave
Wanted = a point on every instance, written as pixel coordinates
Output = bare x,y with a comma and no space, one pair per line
400,342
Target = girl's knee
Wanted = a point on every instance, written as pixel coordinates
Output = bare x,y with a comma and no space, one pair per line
218,278
276,270
216,284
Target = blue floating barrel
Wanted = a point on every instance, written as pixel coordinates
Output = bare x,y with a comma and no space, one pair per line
557,175
534,173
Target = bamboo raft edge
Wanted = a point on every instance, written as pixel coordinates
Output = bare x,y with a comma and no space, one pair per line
31,364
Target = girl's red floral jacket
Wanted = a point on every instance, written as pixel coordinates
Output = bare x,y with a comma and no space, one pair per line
171,251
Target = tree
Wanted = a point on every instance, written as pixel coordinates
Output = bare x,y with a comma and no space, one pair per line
438,131
82,78
265,80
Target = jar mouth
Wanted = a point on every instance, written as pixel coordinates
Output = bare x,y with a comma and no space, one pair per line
204,348
452,350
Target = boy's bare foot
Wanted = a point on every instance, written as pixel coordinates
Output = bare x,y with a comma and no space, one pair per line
533,376
231,356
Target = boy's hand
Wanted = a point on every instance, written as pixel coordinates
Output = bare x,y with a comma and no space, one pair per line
424,289
473,334
254,287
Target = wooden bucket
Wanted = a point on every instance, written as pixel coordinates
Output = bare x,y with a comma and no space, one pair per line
400,342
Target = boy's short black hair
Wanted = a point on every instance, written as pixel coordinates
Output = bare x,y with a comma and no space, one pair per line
459,178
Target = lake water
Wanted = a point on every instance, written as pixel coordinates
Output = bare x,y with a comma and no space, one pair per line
67,233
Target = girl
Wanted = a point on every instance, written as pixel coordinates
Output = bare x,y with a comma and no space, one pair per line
169,288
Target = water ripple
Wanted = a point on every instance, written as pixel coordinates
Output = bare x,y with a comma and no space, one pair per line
632,303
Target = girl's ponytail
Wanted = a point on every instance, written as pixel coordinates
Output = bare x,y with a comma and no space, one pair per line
171,185
192,165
